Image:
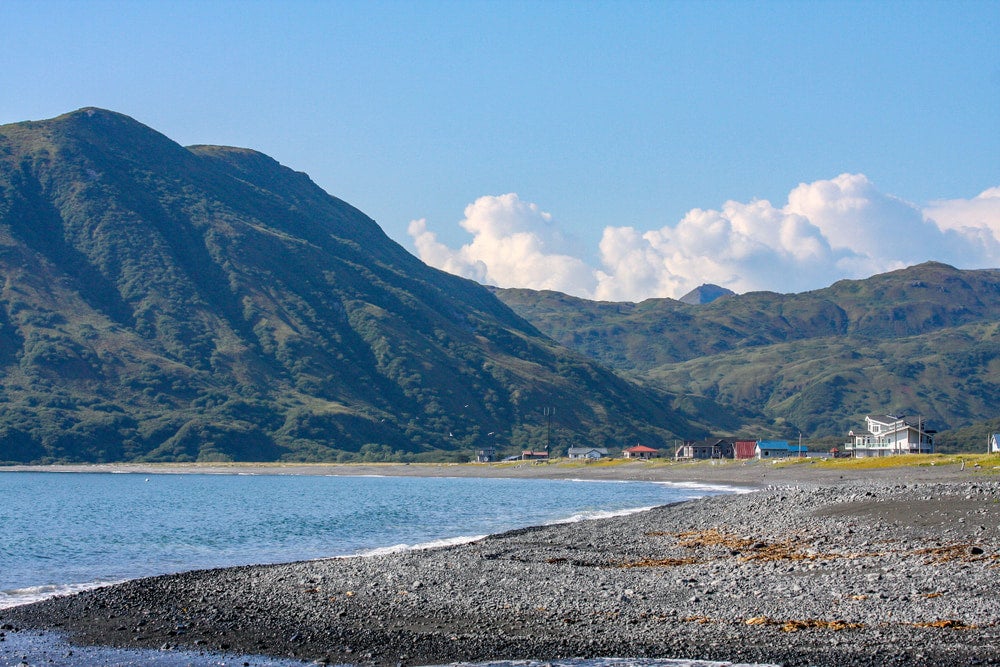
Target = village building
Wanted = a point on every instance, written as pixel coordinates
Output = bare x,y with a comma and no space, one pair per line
529,455
488,455
888,435
590,453
745,449
994,443
771,449
713,448
640,452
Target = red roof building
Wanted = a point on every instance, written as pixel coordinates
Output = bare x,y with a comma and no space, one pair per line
640,452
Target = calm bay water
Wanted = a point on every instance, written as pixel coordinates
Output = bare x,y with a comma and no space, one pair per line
64,531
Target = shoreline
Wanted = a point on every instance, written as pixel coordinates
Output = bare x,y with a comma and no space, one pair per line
724,472
895,567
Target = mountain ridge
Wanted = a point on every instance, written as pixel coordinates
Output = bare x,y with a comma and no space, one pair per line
760,351
209,303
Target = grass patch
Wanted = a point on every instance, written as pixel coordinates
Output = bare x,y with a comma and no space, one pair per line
986,462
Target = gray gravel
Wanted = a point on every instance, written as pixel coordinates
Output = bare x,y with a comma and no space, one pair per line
860,573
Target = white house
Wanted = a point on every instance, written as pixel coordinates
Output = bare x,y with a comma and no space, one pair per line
591,453
888,435
772,449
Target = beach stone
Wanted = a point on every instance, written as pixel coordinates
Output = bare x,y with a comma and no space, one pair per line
626,586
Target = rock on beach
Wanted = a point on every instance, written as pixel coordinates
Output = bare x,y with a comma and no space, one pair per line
864,572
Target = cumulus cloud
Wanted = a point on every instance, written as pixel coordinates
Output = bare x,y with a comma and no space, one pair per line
977,220
742,247
827,230
512,245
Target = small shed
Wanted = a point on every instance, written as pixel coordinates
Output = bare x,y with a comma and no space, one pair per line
529,455
591,453
745,449
640,452
995,443
772,449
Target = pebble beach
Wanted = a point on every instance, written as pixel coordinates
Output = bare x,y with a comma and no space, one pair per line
895,566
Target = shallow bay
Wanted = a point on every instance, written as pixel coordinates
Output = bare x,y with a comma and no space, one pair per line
66,531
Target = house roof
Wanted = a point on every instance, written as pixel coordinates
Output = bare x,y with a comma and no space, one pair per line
639,449
885,419
710,442
580,450
773,444
901,423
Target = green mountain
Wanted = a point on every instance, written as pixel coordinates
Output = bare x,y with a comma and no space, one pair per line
164,303
920,341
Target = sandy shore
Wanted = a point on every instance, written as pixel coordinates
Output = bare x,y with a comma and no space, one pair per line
895,566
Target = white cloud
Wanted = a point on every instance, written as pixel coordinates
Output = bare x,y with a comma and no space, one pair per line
976,219
980,211
742,247
829,229
512,246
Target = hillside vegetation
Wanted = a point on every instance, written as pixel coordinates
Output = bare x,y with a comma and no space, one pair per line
163,303
920,341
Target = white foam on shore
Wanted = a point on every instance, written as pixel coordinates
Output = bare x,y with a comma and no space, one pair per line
702,489
18,596
399,548
705,486
599,514
692,486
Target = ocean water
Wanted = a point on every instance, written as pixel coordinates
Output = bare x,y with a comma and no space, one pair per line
61,532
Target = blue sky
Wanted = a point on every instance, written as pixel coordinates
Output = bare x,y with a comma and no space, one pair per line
614,150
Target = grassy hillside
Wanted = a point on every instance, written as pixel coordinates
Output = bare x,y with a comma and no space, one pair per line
826,386
165,303
919,341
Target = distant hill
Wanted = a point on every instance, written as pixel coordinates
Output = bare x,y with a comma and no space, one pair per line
705,294
163,303
923,340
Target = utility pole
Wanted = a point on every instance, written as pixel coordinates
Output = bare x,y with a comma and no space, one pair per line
548,412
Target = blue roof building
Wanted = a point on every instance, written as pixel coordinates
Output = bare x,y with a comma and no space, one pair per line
772,449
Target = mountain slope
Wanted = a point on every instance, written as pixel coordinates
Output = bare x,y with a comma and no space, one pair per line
641,336
921,340
170,303
825,386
